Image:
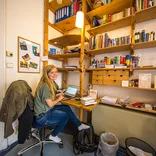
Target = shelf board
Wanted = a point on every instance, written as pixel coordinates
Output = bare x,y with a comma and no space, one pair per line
110,8
126,21
66,24
131,69
66,40
152,89
142,45
55,6
130,108
124,47
107,69
145,15
143,68
68,69
73,55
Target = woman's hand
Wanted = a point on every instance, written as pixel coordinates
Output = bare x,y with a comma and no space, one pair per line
59,96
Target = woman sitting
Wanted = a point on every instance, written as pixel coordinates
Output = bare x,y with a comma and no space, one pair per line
48,109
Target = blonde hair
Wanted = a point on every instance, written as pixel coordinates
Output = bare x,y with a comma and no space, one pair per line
48,81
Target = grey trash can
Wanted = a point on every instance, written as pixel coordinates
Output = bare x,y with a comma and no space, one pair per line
140,144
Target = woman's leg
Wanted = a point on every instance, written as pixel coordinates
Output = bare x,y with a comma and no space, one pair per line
53,116
70,113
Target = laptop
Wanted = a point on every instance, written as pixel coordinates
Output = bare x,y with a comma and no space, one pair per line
70,92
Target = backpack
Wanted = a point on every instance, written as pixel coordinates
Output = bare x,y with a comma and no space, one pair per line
85,141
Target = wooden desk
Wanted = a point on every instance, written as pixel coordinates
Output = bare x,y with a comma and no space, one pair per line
81,107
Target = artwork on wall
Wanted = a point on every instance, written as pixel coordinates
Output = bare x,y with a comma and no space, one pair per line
28,56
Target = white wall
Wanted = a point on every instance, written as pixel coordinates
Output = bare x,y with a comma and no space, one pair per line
24,19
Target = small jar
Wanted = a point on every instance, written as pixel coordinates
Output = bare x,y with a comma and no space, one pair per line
154,107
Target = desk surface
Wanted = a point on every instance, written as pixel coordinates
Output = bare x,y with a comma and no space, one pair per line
78,104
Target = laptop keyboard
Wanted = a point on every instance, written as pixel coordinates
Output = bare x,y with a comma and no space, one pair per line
66,97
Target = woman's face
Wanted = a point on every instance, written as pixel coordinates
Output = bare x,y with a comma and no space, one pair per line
53,74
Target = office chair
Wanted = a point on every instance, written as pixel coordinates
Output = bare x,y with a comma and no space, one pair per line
42,139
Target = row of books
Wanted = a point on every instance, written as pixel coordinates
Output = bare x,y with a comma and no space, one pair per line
113,17
68,11
144,37
103,40
117,62
143,4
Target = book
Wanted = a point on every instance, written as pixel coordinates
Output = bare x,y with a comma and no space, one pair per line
89,103
109,100
88,100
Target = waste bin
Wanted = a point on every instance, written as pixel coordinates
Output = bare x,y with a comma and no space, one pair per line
108,145
140,144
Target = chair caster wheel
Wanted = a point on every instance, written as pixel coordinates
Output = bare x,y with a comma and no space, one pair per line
61,145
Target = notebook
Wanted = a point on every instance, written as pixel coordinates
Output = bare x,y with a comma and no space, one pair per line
70,92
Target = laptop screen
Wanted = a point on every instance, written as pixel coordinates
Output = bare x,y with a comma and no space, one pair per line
71,90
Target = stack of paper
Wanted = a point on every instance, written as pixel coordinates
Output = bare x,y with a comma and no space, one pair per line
109,100
88,100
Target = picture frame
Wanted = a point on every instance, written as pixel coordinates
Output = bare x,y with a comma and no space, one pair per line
28,56
93,93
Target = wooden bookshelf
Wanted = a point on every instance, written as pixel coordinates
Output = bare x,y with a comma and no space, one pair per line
66,40
53,5
110,8
130,108
68,69
120,48
142,45
126,21
145,15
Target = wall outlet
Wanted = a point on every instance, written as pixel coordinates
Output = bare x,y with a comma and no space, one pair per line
9,65
9,53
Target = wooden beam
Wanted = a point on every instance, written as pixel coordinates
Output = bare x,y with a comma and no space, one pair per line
46,17
64,75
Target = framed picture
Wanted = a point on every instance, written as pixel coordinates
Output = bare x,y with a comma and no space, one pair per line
28,56
93,93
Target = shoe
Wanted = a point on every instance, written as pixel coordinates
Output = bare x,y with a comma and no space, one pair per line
83,126
55,138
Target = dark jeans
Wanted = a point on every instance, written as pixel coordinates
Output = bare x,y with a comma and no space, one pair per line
58,115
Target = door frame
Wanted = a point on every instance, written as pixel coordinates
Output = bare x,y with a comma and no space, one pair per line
3,141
